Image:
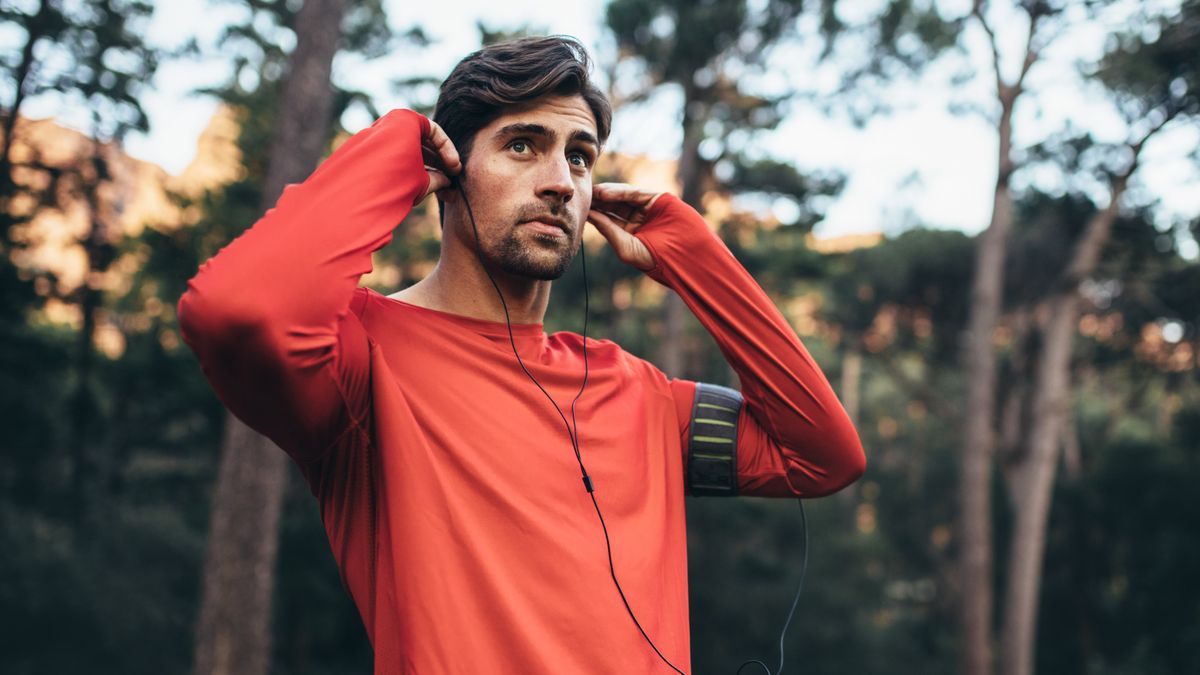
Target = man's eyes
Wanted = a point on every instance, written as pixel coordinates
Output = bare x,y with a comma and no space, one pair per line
575,157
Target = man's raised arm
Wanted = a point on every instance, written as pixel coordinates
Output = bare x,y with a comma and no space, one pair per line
794,437
269,316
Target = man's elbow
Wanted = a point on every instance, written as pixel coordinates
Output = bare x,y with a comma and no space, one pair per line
852,465
212,319
843,462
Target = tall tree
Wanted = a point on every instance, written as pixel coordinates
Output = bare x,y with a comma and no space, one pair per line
233,630
978,440
112,32
1155,82
94,58
905,36
709,50
47,24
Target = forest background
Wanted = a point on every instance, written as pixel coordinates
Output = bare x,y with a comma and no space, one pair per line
1026,393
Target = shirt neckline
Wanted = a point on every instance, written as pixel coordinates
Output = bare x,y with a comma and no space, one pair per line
484,326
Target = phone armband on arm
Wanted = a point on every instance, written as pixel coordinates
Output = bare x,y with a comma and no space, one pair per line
712,441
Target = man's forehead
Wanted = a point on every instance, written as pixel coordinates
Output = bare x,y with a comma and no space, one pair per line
560,115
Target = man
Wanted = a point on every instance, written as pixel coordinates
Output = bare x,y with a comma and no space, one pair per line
449,484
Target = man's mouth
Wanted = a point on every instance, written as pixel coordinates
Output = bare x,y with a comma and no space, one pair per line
554,227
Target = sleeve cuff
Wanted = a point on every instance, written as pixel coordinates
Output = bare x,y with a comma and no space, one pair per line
673,229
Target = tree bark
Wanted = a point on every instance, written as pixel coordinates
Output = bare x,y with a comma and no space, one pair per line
89,454
975,478
1032,476
1033,479
975,472
8,187
1072,451
672,355
233,629
20,76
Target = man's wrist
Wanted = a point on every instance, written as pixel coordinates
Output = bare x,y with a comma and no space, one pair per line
673,230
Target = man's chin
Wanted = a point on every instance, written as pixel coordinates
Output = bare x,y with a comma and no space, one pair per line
535,270
524,260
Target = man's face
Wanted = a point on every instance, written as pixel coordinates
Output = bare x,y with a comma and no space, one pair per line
529,181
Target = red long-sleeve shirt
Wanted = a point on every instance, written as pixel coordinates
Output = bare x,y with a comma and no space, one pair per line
446,481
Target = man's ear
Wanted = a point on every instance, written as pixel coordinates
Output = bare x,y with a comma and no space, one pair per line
448,195
451,193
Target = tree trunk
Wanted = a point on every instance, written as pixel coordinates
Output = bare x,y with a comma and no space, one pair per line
975,477
1072,451
233,629
1033,474
36,26
975,483
86,450
1033,480
672,355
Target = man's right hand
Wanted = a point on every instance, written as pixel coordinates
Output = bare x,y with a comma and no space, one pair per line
441,158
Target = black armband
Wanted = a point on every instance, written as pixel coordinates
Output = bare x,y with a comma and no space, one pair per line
712,443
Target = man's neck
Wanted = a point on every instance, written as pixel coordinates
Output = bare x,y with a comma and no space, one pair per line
463,288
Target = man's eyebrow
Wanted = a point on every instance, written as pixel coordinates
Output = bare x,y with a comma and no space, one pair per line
527,128
586,137
532,129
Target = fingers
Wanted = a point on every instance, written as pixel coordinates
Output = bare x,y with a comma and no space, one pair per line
627,247
440,157
620,193
624,201
439,151
438,180
606,225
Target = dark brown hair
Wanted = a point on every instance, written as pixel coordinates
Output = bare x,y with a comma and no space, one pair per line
483,84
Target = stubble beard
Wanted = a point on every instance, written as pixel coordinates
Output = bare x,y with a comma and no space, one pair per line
534,260
534,255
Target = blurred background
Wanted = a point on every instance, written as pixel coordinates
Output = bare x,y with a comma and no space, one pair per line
980,217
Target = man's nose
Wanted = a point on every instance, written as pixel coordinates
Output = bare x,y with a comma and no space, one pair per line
556,181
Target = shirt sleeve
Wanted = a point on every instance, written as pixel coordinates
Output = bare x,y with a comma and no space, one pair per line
269,317
794,436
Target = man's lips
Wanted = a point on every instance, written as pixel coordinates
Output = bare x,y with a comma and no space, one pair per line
551,226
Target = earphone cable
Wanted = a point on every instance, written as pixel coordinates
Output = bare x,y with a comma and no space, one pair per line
512,340
795,600
572,434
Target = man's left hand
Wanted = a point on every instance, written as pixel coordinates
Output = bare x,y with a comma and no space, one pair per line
619,210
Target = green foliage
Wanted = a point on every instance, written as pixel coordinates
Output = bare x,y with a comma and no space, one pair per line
924,273
713,51
1120,596
92,54
93,600
1154,70
318,630
913,33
